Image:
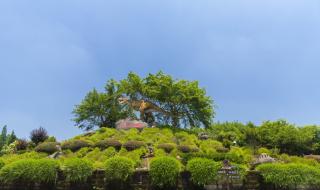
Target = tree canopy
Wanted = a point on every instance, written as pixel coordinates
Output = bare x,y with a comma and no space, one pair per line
101,109
185,103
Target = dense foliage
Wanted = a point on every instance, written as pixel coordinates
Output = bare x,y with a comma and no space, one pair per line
6,139
290,175
47,147
39,135
118,169
203,171
77,170
237,142
30,170
183,102
101,109
164,171
75,145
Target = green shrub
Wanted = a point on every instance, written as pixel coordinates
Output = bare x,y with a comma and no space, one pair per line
75,145
289,175
118,169
8,149
51,139
110,152
47,147
135,155
210,145
203,171
239,155
77,170
167,147
109,143
132,145
83,152
263,150
9,158
41,171
164,171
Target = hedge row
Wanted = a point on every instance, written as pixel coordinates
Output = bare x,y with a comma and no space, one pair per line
290,175
76,145
164,171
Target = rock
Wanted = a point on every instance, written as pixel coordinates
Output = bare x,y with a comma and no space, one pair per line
129,124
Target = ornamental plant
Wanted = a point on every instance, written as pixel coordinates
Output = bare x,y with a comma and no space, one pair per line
104,144
164,172
75,145
30,170
47,147
132,145
77,170
167,147
118,169
39,135
289,175
203,171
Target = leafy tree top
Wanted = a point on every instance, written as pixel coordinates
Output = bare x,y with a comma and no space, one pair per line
185,102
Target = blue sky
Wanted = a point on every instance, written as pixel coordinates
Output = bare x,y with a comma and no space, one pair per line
259,60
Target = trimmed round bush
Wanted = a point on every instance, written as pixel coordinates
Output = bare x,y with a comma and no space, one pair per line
203,171
104,144
47,147
118,169
29,170
132,145
164,171
77,170
167,147
75,145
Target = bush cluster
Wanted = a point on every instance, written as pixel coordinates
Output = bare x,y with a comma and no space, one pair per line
132,145
29,170
75,145
47,147
167,147
203,171
118,169
164,172
77,170
184,148
290,175
104,144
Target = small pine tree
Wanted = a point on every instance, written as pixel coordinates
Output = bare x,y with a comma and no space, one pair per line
11,138
3,137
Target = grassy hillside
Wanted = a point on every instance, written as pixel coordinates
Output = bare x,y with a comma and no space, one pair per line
112,150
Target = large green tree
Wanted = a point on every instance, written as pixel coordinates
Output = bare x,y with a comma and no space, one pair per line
185,102
100,109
